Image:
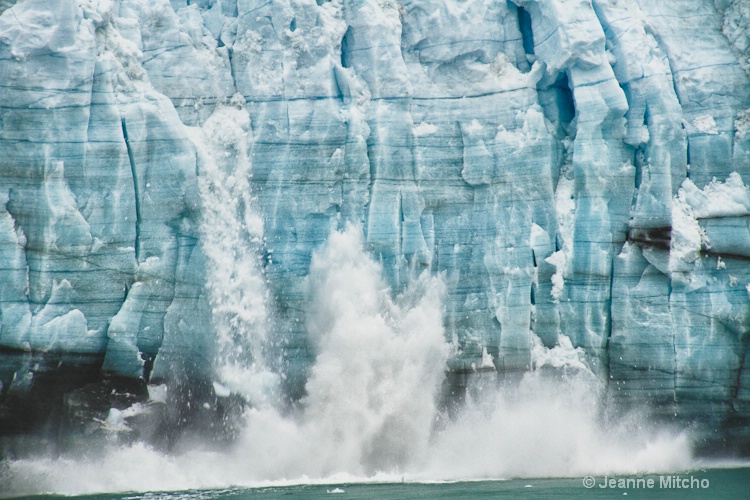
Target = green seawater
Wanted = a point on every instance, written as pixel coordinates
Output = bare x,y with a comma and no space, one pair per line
730,483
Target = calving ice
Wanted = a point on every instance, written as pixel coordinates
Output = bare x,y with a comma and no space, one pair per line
298,240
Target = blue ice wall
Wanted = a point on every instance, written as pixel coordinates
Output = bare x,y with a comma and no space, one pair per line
569,167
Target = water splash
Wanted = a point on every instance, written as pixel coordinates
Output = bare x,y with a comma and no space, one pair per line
553,423
371,393
371,409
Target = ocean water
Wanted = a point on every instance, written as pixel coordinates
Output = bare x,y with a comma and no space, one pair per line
714,483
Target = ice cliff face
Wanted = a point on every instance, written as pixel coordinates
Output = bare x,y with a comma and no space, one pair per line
571,167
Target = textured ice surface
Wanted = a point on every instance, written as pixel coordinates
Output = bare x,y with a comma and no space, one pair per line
572,167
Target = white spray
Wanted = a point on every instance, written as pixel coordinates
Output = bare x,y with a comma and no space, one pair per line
232,236
370,409
550,425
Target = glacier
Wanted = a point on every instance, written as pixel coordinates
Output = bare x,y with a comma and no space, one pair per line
570,169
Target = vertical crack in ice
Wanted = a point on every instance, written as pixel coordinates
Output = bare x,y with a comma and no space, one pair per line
606,357
738,382
665,51
400,226
232,69
527,33
136,190
345,42
674,347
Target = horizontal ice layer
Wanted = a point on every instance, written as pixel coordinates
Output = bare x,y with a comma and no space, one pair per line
569,167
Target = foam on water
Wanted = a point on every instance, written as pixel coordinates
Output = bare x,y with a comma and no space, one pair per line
371,413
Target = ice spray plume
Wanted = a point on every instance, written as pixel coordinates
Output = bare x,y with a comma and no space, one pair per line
370,408
552,423
371,393
232,240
